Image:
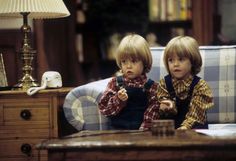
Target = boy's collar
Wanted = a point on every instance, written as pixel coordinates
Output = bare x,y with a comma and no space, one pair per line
187,81
141,77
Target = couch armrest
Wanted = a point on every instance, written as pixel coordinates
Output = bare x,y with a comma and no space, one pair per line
80,106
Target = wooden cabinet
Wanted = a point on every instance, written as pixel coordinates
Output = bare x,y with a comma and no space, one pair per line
27,120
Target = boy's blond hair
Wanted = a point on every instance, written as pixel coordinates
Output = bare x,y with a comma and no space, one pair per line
184,46
134,47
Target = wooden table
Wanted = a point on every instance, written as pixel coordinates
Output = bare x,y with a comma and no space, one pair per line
139,146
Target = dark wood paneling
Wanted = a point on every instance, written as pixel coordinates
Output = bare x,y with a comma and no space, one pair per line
54,41
10,41
203,13
56,47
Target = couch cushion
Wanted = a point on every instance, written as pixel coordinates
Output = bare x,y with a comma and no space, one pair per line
80,106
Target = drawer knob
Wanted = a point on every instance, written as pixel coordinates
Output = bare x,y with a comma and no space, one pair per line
26,149
25,114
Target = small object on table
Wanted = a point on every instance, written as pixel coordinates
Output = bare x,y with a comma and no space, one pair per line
163,127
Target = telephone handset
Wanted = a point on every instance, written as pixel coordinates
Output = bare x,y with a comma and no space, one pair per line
50,79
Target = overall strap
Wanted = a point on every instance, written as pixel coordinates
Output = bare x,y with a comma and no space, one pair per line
148,84
169,86
119,81
194,82
196,79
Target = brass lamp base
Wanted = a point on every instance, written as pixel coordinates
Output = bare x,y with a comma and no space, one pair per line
26,82
27,56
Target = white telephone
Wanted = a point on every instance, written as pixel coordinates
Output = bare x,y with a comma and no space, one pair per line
50,79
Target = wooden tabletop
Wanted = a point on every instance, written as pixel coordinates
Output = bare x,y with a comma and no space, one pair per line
137,139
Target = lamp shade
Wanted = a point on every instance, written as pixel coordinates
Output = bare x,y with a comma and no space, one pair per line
38,9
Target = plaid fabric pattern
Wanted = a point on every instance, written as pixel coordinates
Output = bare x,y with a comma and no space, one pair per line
80,106
219,63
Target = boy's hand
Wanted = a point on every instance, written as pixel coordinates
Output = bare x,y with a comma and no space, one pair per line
182,128
168,106
122,94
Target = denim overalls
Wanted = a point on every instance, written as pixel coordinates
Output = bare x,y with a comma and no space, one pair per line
183,105
131,116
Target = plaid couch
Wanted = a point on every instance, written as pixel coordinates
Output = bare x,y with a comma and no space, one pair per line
219,70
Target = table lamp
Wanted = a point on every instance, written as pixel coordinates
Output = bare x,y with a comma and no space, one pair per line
34,9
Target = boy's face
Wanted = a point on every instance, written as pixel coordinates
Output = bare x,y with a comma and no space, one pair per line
132,68
180,67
